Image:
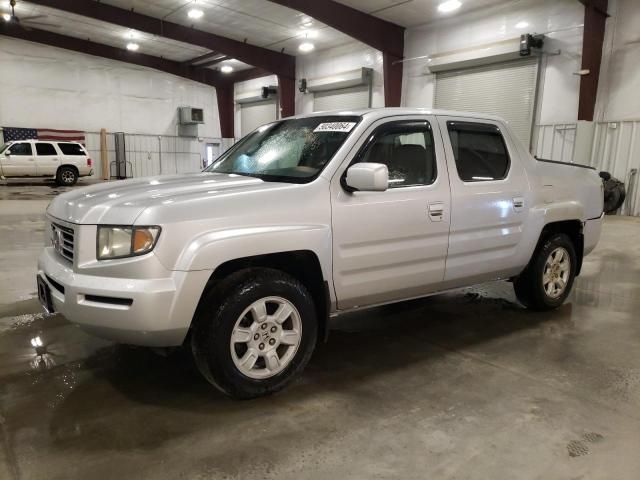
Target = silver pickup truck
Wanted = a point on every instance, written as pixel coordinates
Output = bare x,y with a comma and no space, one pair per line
309,217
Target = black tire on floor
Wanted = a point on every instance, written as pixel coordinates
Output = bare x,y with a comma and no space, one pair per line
66,176
529,286
217,314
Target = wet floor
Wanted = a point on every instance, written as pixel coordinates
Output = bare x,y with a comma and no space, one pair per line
463,385
36,188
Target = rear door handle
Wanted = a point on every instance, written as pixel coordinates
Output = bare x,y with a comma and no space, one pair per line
436,211
518,203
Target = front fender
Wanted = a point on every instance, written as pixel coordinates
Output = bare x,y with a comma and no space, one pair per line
211,249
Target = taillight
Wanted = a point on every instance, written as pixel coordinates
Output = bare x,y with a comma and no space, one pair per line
89,162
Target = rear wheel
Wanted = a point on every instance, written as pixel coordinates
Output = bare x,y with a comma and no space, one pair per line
254,332
547,280
66,176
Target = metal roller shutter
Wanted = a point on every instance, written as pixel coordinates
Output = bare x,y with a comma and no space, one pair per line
506,89
352,98
254,114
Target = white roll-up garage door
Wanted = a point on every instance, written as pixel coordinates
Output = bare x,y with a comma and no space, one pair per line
254,114
506,89
352,98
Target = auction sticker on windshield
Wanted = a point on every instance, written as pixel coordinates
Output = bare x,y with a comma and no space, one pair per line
335,127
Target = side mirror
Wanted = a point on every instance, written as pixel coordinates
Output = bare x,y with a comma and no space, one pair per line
368,177
7,153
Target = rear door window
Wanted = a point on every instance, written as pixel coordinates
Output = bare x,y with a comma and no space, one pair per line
45,149
479,150
72,149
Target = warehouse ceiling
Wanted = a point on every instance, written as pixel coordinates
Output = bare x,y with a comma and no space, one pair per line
257,22
410,13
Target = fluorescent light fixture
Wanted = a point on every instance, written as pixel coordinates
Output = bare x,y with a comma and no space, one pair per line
449,6
522,24
6,17
306,47
195,13
132,46
131,34
226,69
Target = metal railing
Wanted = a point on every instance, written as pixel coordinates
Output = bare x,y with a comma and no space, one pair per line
154,154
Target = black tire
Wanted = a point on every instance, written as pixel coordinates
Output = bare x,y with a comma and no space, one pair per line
217,314
66,176
529,286
614,195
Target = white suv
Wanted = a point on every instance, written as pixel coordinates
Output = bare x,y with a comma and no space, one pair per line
63,161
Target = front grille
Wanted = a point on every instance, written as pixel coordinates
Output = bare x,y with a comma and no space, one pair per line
62,239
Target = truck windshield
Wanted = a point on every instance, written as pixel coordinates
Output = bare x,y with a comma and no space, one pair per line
293,150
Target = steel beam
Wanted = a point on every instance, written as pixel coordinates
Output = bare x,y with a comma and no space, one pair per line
214,62
375,32
600,5
197,74
287,94
595,17
201,58
226,111
275,62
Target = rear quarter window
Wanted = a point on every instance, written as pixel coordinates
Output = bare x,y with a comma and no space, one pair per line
72,149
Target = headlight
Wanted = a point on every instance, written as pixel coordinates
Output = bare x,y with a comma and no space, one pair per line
121,242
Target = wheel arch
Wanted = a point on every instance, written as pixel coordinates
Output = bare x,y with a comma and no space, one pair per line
304,265
571,228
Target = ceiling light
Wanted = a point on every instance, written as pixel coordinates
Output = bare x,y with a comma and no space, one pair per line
132,46
226,69
522,25
195,13
6,17
449,6
306,47
131,34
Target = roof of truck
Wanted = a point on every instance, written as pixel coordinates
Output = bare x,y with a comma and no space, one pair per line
376,113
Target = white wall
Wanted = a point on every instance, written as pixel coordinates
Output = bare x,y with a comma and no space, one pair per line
335,60
48,87
249,86
559,89
619,86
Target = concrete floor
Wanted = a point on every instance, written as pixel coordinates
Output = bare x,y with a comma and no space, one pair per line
463,385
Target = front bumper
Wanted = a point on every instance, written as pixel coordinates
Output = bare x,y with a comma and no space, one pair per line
150,312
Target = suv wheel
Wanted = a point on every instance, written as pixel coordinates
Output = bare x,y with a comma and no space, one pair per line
546,282
254,332
66,176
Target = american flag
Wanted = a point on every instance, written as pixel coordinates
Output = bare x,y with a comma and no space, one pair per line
11,134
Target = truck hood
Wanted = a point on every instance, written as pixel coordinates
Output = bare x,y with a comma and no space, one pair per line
121,202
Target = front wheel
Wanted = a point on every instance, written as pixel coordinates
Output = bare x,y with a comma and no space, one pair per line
254,332
546,282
